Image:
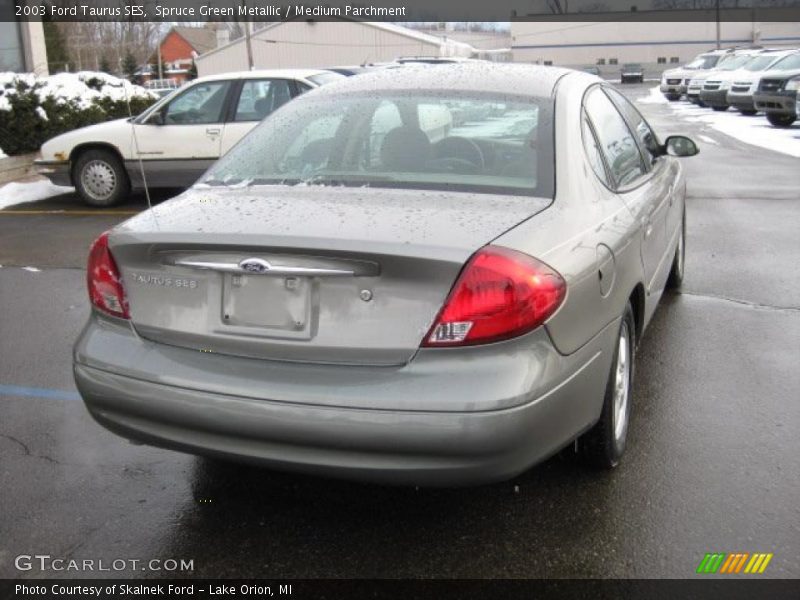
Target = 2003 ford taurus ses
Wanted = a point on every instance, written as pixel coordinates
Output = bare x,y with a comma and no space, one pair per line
435,277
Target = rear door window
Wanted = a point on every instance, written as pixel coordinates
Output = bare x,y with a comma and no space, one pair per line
617,143
645,134
260,97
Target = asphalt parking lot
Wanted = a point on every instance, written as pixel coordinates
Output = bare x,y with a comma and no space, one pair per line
712,462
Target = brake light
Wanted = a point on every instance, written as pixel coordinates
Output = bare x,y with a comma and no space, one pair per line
105,284
500,294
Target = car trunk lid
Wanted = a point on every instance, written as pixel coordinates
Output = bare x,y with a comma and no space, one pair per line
310,274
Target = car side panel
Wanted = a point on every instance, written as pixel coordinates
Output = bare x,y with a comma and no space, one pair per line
588,229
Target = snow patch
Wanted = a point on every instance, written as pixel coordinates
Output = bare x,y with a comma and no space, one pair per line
81,88
753,130
42,113
655,97
708,140
16,193
32,269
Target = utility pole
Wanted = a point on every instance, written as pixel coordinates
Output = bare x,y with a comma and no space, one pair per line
718,36
247,40
158,50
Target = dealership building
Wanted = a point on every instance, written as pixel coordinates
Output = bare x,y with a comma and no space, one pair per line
22,48
656,44
314,44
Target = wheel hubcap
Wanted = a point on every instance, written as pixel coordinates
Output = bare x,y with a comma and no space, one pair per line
622,378
99,179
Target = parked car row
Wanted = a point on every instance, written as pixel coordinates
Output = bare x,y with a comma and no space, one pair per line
751,80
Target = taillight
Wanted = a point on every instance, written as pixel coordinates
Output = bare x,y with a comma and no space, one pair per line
500,294
105,285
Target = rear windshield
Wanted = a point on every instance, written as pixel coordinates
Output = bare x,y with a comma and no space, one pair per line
323,78
443,141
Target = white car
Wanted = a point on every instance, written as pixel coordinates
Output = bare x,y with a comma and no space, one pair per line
177,138
732,60
675,81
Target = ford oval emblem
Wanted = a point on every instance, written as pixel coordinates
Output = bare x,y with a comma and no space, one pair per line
255,265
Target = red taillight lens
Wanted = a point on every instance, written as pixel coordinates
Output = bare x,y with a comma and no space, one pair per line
103,278
500,294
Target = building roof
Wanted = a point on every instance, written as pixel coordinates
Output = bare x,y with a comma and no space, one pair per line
202,39
389,27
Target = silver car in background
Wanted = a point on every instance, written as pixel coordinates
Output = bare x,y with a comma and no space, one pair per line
426,276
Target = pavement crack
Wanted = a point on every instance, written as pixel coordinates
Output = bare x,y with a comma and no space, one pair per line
27,451
748,303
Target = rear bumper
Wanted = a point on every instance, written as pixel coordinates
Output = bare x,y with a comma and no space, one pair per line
57,171
776,102
714,97
284,422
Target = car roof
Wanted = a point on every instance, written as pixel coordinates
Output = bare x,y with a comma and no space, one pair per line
503,78
279,73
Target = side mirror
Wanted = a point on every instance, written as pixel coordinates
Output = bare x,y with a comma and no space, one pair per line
156,118
680,145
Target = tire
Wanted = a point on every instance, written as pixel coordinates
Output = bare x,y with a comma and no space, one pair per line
781,119
701,104
675,279
673,97
603,445
747,112
100,178
720,108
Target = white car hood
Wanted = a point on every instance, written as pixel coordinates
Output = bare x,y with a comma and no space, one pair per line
115,133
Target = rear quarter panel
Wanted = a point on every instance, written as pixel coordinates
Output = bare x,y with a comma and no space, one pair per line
587,228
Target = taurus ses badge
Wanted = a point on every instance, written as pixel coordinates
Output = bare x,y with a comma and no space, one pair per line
255,265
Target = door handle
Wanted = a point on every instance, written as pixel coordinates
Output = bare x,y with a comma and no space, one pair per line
213,130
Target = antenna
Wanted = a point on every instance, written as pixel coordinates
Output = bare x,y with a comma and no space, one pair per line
136,145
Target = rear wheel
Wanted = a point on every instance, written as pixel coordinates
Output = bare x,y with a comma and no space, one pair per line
720,108
747,112
780,120
673,97
100,178
603,445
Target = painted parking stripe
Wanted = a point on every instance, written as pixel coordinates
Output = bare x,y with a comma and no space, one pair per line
70,213
33,392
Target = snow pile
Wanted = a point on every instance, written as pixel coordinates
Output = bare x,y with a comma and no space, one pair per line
16,193
83,88
655,97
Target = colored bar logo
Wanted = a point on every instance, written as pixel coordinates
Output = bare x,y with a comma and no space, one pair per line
734,563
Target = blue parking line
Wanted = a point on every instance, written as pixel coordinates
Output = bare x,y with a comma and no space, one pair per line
32,392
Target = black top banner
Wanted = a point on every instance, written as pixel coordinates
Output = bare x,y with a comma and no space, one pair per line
400,10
